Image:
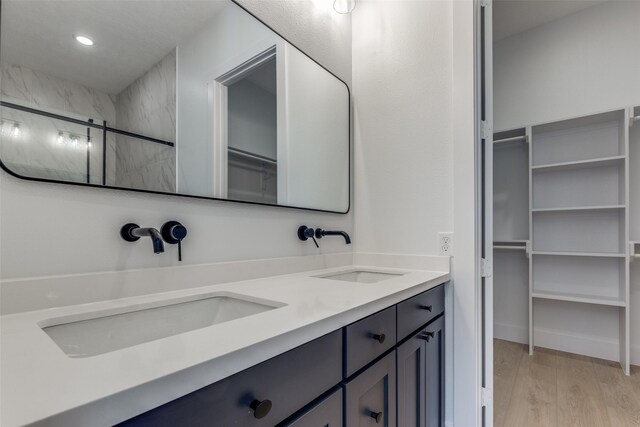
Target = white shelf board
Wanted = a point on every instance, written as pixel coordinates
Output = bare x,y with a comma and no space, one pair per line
602,161
580,208
511,241
509,248
587,299
585,254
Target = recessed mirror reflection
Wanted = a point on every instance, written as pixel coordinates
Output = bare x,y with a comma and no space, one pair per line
183,97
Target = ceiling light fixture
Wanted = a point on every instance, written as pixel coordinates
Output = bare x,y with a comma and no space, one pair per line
344,6
84,40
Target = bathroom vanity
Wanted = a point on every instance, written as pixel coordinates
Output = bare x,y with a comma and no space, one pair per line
346,377
333,347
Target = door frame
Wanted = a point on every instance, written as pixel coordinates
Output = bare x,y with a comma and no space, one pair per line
469,359
217,86
485,75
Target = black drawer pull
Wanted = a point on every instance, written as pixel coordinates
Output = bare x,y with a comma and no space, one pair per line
379,337
428,336
429,308
261,408
376,416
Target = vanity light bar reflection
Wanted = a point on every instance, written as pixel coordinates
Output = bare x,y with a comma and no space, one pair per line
10,128
69,139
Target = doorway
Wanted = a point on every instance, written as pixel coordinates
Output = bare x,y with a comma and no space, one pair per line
564,163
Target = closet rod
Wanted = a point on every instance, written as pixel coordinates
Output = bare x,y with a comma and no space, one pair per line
252,156
515,138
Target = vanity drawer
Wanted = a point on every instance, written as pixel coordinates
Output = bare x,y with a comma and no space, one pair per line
327,413
288,381
415,312
368,338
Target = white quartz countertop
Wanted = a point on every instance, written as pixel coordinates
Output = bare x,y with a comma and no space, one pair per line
41,385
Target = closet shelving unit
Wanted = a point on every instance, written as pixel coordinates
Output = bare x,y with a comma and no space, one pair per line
511,230
578,243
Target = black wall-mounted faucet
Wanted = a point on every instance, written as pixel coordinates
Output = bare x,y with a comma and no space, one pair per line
171,232
320,233
133,232
305,233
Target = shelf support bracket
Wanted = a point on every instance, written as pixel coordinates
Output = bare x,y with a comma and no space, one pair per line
486,396
485,128
486,269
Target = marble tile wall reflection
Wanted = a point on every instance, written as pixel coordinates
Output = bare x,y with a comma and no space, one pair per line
36,151
148,107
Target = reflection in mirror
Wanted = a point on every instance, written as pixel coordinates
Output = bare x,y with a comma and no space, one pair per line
184,97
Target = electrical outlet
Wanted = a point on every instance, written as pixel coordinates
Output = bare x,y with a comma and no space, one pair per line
445,240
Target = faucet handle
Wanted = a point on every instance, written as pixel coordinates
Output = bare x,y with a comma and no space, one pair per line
305,233
173,232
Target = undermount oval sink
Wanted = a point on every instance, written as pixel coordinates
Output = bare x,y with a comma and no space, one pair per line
104,331
361,276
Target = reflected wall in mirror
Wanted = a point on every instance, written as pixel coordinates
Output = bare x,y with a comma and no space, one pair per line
181,97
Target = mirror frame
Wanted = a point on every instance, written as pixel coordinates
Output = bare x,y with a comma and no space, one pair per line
135,190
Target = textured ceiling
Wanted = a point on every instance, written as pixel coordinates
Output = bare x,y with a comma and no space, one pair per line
130,36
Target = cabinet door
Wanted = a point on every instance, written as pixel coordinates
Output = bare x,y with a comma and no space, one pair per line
371,396
327,413
411,381
434,338
261,396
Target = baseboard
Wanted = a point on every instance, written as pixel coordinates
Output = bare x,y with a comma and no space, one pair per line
562,341
634,355
510,333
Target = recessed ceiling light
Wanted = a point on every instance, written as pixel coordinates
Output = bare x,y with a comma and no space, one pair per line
83,40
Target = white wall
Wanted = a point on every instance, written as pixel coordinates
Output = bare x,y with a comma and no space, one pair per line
317,131
581,64
402,74
585,63
252,119
413,89
55,229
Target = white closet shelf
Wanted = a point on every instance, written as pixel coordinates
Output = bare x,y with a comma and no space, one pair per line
584,254
581,298
580,208
510,248
579,164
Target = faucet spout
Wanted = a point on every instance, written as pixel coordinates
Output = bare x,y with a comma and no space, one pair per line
320,233
132,232
156,239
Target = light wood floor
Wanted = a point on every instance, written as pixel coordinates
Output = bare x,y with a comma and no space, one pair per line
557,389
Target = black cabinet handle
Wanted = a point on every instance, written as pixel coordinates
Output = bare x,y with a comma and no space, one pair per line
429,308
376,416
261,408
428,335
379,337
